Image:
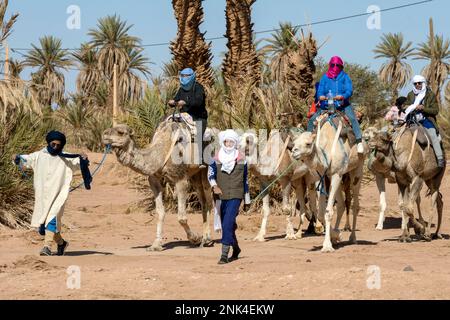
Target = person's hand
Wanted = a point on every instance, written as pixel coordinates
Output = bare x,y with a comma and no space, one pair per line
172,103
322,98
217,190
181,103
339,97
420,107
84,156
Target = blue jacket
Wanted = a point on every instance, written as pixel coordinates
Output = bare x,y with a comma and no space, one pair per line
341,86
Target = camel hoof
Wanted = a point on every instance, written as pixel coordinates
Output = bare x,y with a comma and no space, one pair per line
379,227
155,248
298,235
352,240
327,249
259,239
290,237
405,239
427,237
437,236
195,239
336,236
206,243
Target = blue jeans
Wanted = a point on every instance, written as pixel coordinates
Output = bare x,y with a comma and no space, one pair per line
348,110
229,209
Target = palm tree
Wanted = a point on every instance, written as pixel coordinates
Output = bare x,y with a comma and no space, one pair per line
115,45
279,46
395,71
189,48
241,62
89,77
50,60
15,68
437,51
6,26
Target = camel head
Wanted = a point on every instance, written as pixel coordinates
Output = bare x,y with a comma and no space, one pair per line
248,143
378,140
303,146
118,137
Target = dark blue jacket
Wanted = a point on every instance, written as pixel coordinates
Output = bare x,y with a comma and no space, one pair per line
341,86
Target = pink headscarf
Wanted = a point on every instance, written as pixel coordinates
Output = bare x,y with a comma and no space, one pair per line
333,72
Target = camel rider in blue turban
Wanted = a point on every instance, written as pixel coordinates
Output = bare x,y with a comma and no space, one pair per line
53,171
191,98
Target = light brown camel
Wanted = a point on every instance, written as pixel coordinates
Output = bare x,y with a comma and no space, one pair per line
412,165
274,161
332,156
164,158
382,173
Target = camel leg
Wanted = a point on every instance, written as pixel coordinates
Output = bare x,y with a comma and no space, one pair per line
419,210
402,195
181,188
205,197
437,206
381,185
336,233
266,213
156,187
356,187
286,193
312,204
300,196
414,192
336,180
304,212
347,202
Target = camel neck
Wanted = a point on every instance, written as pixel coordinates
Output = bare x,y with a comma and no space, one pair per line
134,159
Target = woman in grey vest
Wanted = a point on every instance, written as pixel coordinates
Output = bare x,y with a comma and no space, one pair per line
227,175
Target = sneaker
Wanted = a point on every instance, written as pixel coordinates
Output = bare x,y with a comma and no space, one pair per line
223,260
360,148
45,252
62,248
235,254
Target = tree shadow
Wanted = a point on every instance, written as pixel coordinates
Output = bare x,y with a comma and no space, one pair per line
86,253
345,244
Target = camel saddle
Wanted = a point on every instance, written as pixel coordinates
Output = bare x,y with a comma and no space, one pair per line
423,138
347,131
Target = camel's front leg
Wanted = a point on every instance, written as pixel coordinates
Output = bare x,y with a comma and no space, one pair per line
402,198
286,193
414,191
356,187
207,202
381,185
266,213
336,180
181,188
156,187
300,198
336,236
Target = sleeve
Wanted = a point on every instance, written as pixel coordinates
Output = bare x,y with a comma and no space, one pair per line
409,99
212,174
431,106
246,188
29,160
348,87
322,88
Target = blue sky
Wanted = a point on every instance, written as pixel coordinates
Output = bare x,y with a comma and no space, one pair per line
154,22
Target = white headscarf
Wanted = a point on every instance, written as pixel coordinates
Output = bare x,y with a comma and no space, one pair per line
420,94
228,156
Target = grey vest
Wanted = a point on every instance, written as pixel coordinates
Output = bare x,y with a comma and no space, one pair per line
232,185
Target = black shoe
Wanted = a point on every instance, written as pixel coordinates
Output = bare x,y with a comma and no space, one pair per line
62,248
441,163
235,255
223,260
45,252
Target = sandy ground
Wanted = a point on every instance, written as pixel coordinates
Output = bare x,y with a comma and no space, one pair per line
108,236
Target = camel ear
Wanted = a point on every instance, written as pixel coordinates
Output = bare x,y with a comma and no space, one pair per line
313,136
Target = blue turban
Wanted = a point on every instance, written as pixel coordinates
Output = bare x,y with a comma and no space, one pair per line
187,82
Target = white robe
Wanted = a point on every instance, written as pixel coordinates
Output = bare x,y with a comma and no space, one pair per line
52,178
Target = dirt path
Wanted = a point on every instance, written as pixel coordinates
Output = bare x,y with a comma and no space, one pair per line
108,237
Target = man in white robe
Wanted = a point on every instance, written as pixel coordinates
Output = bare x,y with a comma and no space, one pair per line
52,178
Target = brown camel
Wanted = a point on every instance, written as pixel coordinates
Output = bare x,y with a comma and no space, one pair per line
166,156
413,164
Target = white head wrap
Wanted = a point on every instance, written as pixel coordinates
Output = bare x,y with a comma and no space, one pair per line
420,95
228,156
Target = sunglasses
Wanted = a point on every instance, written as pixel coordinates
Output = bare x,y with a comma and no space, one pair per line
336,65
416,83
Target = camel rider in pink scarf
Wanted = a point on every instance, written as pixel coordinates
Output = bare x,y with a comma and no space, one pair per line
191,98
339,84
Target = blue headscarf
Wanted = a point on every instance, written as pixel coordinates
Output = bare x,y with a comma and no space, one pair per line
187,82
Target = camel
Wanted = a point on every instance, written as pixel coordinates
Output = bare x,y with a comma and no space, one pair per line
382,173
413,165
333,156
274,161
159,160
